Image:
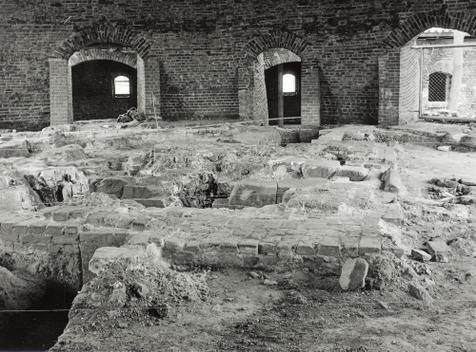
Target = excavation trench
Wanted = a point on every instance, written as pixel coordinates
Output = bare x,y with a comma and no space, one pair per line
36,326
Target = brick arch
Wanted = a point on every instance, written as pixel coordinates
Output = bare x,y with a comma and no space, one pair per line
417,24
103,34
85,55
274,40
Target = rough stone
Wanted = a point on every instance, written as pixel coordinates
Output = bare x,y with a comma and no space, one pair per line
394,214
252,193
419,292
420,255
320,169
439,250
111,186
391,181
354,173
354,273
444,148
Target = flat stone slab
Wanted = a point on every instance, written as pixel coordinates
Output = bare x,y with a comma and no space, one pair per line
252,193
354,273
320,169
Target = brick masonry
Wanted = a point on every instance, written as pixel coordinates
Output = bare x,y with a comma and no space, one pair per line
199,57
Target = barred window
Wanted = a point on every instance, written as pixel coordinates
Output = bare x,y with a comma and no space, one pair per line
439,87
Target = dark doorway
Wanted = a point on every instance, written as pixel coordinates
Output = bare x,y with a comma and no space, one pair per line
283,88
103,89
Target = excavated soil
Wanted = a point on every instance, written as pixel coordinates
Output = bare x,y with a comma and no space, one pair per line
148,306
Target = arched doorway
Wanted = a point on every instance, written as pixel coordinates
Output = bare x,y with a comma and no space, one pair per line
300,80
413,77
277,87
283,86
129,54
103,89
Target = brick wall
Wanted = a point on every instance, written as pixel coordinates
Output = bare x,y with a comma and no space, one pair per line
410,71
199,56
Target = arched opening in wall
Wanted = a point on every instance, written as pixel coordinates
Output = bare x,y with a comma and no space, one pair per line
438,76
277,87
98,55
103,89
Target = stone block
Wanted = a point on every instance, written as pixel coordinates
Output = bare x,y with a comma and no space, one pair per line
320,169
285,250
60,215
111,186
354,173
71,231
329,247
307,250
267,249
370,245
193,247
251,193
41,240
95,238
220,203
65,240
394,214
354,273
97,218
230,260
8,234
174,245
183,258
420,255
250,261
37,229
20,229
133,192
54,230
228,247
439,250
152,202
249,247
350,247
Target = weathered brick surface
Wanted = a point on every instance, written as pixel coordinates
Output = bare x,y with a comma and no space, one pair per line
199,57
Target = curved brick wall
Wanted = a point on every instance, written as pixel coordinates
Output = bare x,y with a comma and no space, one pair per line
198,57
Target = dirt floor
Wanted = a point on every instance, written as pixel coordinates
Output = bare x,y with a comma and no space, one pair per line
150,307
305,312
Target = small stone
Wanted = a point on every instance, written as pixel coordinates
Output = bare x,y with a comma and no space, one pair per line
439,250
444,148
254,275
268,282
383,305
118,296
419,292
391,181
354,273
296,297
420,255
123,325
